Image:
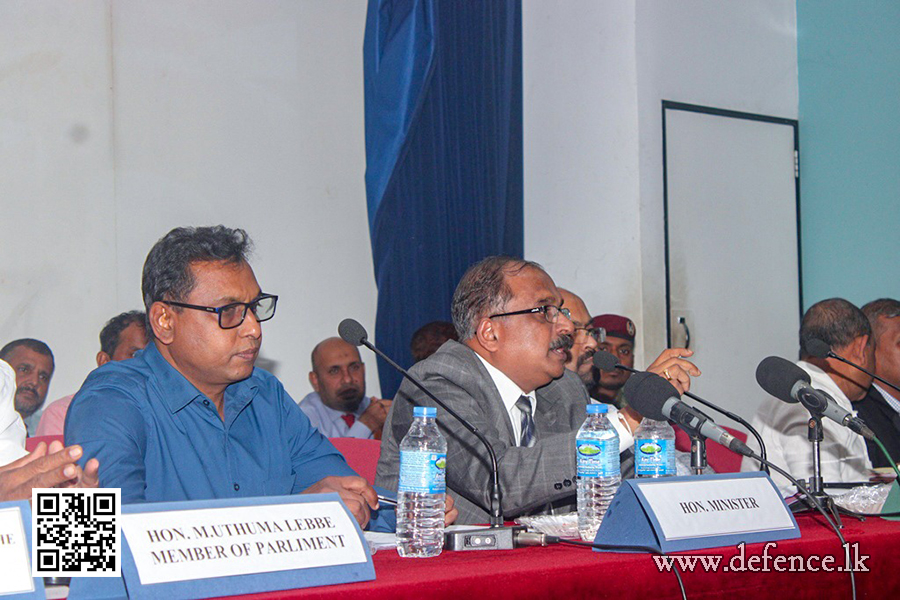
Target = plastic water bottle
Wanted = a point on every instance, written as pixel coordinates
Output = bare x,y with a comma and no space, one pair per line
654,449
597,457
420,494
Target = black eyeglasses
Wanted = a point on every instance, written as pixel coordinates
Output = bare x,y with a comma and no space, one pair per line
232,315
551,313
598,333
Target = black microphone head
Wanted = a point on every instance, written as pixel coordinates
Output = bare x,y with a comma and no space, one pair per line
817,348
605,361
647,393
778,376
352,332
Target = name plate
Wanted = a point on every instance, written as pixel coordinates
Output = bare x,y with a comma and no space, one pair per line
691,513
15,553
203,549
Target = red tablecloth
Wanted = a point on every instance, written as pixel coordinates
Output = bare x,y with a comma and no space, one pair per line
572,572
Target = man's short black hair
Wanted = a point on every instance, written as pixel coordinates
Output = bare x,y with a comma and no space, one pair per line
835,321
167,271
112,331
483,290
875,310
429,337
32,344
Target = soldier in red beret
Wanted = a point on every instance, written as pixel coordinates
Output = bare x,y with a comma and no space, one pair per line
620,333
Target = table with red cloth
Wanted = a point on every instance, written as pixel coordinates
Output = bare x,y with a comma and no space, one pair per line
573,572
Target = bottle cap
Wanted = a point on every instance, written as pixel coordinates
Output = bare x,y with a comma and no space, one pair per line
424,411
597,409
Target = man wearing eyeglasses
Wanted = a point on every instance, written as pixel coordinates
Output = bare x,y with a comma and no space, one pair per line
190,417
507,376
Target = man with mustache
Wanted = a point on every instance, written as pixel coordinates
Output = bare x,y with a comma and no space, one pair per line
339,406
32,361
190,418
507,377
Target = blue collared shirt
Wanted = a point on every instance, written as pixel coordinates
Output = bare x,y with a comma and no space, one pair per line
159,439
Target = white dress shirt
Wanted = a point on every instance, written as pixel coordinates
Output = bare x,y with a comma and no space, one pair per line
783,428
510,394
12,429
330,422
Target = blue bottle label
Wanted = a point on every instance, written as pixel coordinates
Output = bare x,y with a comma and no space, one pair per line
422,472
652,457
597,458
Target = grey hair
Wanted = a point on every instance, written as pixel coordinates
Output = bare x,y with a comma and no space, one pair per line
483,291
835,321
886,308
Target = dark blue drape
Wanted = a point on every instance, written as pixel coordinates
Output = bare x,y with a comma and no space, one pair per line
443,90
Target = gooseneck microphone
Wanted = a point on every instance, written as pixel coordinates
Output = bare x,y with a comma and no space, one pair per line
352,332
606,361
820,349
657,399
789,383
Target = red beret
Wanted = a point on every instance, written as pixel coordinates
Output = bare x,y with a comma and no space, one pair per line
616,326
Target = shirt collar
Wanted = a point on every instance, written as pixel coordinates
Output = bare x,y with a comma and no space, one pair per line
892,400
509,391
177,392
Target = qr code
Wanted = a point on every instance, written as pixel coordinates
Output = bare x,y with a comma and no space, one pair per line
75,532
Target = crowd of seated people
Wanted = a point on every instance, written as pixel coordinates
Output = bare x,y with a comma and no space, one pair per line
178,379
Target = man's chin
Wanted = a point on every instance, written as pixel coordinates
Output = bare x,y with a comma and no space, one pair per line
27,408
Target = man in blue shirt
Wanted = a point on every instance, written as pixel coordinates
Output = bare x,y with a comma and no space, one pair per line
190,417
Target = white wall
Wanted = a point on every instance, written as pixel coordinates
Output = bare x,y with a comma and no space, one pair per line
121,120
595,74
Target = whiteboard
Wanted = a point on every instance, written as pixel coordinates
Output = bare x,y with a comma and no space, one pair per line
732,245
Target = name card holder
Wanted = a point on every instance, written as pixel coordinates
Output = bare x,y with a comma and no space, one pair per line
676,514
16,582
210,548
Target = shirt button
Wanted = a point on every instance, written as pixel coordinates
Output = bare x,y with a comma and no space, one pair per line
237,487
206,403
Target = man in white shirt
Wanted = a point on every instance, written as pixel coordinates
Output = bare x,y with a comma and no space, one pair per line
880,409
784,426
45,467
339,406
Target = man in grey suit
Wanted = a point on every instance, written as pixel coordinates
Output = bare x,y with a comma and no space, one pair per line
507,377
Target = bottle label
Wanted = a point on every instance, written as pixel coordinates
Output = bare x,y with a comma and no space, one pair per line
422,472
597,458
652,456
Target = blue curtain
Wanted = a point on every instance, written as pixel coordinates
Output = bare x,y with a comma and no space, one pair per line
443,93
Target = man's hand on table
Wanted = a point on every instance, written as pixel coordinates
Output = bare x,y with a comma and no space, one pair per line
356,493
450,512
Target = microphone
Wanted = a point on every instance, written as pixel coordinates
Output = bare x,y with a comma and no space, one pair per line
606,361
497,537
820,349
657,399
789,383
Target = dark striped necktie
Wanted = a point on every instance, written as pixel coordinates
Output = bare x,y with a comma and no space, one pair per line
524,406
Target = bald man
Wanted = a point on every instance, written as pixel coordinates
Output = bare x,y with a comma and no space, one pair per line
339,407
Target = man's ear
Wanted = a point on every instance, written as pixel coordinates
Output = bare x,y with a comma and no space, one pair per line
487,335
103,358
162,320
314,381
855,351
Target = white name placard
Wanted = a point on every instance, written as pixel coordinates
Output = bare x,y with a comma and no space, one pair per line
182,545
14,551
693,508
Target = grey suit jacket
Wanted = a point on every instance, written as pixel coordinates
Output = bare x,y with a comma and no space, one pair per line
530,478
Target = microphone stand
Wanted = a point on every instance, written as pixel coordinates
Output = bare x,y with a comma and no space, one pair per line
816,488
698,453
495,537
